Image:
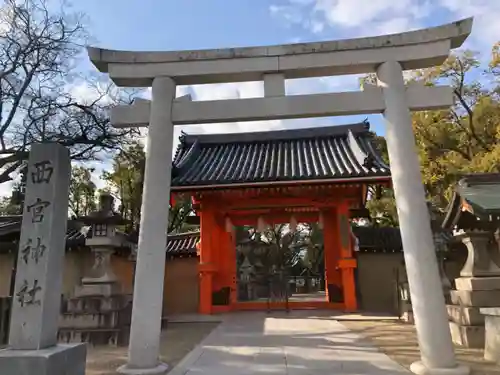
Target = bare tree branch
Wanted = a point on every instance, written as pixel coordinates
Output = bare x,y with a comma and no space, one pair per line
38,51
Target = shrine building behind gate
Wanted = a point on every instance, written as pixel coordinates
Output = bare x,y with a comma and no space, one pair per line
303,175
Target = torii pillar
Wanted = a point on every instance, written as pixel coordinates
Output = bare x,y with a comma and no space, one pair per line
144,346
431,318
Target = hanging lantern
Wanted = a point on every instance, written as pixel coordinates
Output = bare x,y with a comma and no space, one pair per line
198,248
229,225
261,224
320,220
293,223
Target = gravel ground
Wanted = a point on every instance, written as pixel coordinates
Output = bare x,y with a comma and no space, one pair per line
398,340
176,342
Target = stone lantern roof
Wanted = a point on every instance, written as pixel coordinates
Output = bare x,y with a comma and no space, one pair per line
475,204
105,214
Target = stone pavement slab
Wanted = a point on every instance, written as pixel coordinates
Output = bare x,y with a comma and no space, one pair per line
299,343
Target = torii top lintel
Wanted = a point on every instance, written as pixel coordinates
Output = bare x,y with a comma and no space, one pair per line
414,50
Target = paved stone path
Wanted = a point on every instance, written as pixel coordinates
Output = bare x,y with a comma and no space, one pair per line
300,343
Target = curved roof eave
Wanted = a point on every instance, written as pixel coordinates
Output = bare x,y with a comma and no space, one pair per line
266,184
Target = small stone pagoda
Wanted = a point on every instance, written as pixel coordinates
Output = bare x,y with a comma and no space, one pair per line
474,215
99,313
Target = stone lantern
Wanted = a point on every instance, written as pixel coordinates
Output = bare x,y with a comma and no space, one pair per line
474,216
103,240
99,312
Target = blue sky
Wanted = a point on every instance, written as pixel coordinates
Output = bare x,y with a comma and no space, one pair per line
196,24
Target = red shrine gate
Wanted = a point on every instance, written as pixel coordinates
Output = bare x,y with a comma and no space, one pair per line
307,175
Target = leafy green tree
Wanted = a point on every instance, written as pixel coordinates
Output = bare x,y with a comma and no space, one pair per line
179,212
8,207
460,140
314,257
82,192
382,205
465,138
279,247
126,181
383,210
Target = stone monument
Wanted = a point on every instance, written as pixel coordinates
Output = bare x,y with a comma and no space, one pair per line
33,347
98,312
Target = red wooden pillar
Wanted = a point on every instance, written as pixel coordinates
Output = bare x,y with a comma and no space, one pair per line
206,266
218,256
332,250
347,262
225,256
229,245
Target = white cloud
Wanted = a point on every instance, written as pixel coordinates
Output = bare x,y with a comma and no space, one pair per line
354,18
225,91
220,91
6,189
99,167
291,13
86,91
241,90
486,29
357,13
316,26
83,92
6,18
394,25
304,86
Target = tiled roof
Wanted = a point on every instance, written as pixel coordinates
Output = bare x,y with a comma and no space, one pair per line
10,228
334,153
75,238
388,239
183,244
378,238
9,224
370,239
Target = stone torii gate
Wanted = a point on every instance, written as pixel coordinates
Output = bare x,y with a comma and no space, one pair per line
387,56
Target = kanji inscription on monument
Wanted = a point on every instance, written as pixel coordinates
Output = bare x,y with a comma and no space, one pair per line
37,210
33,251
42,172
37,296
27,294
